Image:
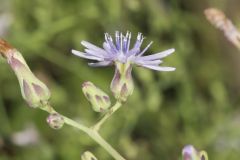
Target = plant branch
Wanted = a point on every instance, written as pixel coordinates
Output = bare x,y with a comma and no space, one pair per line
113,109
41,101
89,131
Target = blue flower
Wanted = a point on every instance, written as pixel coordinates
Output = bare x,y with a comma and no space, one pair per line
120,52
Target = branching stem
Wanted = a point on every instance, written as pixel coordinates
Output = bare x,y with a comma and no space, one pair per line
113,109
90,131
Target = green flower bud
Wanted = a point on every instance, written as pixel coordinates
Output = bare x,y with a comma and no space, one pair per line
88,156
34,92
55,121
203,155
99,100
122,84
190,153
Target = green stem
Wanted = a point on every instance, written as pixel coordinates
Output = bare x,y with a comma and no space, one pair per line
92,133
113,109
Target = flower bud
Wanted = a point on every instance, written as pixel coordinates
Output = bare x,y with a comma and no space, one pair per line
55,121
190,153
99,100
88,156
34,92
122,84
203,155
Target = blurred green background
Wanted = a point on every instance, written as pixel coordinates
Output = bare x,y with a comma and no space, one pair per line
197,104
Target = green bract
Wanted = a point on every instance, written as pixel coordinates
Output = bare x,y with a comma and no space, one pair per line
88,156
122,84
34,92
99,100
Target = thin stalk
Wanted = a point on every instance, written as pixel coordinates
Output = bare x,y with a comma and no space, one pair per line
95,136
89,131
113,109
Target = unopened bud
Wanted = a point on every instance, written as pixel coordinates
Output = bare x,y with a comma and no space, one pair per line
122,84
190,153
203,155
34,92
88,156
55,121
99,100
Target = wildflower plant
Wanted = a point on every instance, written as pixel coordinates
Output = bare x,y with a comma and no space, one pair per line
116,53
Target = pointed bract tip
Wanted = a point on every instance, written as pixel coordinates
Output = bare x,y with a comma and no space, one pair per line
4,47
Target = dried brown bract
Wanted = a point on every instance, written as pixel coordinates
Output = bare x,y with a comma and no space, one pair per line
220,21
4,48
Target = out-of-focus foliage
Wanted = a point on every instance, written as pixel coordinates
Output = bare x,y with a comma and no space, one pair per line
197,104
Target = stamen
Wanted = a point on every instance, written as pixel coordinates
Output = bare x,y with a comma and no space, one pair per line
106,38
109,40
125,44
121,45
128,43
139,36
139,41
117,39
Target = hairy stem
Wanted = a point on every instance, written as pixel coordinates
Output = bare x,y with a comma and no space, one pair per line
113,109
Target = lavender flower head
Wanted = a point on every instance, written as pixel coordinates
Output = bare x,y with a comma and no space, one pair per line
120,54
119,51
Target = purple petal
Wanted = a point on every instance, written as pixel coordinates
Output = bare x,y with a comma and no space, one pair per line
143,62
159,68
107,48
93,47
158,55
83,55
94,53
145,49
133,51
139,41
109,40
111,54
100,64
